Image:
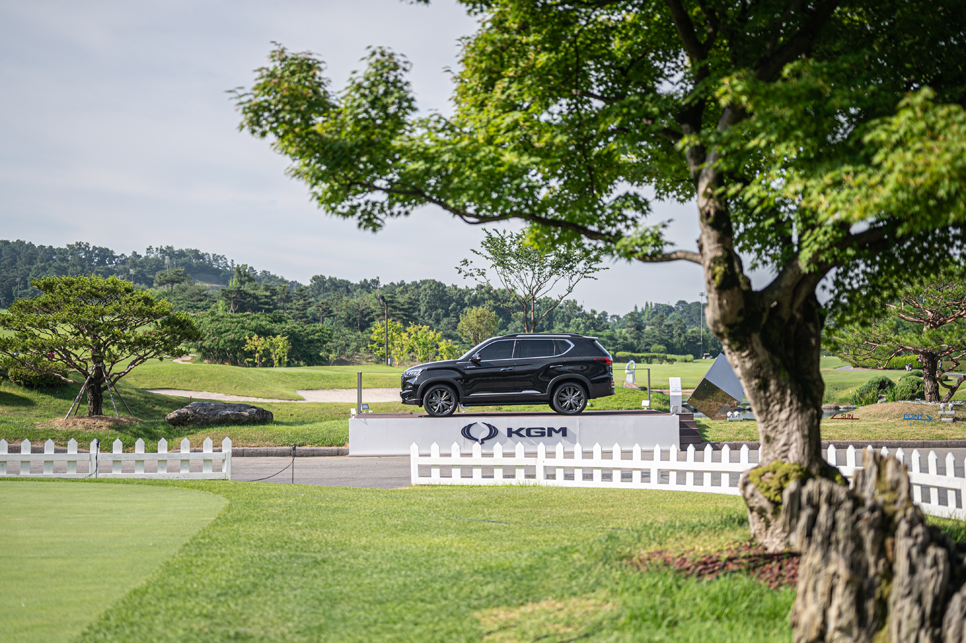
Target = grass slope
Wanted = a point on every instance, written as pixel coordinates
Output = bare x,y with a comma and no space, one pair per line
69,550
297,563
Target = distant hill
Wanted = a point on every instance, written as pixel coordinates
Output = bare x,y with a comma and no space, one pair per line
22,261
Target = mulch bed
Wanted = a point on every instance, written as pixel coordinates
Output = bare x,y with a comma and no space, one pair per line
98,422
775,570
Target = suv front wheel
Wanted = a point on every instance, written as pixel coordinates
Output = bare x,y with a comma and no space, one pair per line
570,398
439,401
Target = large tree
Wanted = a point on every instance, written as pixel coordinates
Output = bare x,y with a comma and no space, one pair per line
927,320
99,328
821,140
526,276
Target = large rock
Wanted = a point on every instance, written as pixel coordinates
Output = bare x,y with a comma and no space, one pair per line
202,413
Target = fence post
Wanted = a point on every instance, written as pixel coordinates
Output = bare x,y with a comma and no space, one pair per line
636,464
598,456
832,455
118,448
901,455
519,456
95,454
689,474
578,456
950,473
616,473
558,456
434,467
454,452
850,456
139,449
884,452
708,458
413,464
24,464
185,450
498,462
726,459
916,468
744,455
477,453
226,449
3,461
541,462
655,463
933,470
162,462
72,450
48,464
206,447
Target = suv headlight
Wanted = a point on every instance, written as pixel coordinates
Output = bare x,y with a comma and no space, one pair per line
413,372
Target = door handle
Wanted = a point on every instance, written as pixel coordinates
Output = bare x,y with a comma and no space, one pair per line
504,370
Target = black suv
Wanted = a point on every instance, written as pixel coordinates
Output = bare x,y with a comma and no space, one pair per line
562,370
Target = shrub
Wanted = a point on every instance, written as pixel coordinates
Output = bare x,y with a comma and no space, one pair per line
877,385
899,363
910,387
29,378
225,335
651,358
658,348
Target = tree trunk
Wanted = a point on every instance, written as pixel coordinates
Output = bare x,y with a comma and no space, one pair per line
95,393
871,568
773,344
930,380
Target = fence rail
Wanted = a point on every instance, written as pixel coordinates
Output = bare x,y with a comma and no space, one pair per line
937,495
97,464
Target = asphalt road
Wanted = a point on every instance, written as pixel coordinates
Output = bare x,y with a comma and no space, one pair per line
334,471
393,472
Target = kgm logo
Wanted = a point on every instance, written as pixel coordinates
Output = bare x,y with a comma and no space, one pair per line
488,434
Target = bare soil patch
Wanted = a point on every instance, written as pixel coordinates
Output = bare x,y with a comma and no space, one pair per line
775,570
97,422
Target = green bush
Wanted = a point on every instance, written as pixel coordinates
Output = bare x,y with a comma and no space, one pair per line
877,385
651,358
29,378
910,387
899,363
658,348
225,335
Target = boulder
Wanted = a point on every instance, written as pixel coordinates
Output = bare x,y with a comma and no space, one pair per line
204,413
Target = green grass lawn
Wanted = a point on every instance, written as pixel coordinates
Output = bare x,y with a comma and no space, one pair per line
70,550
299,563
272,383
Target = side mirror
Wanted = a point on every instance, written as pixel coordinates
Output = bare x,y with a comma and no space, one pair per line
475,359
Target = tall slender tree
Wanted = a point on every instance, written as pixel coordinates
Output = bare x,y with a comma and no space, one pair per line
816,138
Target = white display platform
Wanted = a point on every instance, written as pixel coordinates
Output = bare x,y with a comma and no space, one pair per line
393,433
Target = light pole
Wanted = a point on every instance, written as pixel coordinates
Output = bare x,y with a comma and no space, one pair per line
385,305
701,318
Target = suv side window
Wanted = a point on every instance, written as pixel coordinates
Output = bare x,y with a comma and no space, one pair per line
534,348
497,350
562,346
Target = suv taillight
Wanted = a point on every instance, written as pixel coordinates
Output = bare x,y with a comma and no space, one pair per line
606,361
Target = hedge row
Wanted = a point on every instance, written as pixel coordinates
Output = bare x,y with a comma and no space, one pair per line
651,358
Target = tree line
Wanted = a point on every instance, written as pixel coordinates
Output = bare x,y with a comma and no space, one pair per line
218,289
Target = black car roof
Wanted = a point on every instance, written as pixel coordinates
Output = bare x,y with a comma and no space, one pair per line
545,335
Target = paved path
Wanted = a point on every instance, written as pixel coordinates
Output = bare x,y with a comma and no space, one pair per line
392,472
331,396
342,471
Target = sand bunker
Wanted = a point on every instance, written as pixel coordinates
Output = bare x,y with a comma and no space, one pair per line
326,396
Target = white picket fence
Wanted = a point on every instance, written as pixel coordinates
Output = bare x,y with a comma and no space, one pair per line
95,464
568,469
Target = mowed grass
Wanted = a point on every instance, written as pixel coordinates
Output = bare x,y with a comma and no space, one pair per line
299,563
69,550
270,383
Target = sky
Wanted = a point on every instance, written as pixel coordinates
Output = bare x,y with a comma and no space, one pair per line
116,129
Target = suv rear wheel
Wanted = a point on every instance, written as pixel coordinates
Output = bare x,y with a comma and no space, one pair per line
570,398
439,401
